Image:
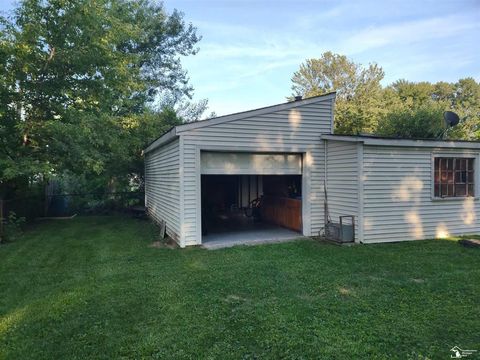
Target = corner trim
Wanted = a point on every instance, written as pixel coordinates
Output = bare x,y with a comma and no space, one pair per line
361,189
198,193
332,124
182,192
306,194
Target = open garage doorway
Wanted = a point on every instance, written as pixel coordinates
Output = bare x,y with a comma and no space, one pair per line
242,209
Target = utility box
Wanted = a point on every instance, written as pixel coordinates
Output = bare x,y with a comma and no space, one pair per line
341,232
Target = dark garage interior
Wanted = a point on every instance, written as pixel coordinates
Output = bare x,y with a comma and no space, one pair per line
251,205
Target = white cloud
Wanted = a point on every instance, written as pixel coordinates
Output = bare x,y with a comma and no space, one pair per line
243,66
408,32
313,19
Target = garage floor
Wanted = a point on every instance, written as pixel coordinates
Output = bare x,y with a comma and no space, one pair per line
248,234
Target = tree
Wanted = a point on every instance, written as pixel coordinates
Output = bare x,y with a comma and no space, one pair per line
187,110
420,122
358,89
413,94
402,109
416,109
76,81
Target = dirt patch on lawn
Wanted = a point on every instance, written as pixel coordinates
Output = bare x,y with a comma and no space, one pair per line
343,290
418,281
234,299
164,244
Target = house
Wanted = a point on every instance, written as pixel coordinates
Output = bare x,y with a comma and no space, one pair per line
209,176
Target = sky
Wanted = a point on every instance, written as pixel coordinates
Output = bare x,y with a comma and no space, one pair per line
250,49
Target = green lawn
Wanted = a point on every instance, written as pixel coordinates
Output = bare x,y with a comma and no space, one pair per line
93,288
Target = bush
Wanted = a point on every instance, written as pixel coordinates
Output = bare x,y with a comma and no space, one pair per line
421,122
12,229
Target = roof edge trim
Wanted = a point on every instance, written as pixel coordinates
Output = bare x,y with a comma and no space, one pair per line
405,142
162,140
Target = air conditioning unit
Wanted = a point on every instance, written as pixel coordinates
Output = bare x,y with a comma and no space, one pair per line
341,232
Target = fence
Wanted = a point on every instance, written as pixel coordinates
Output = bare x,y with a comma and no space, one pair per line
64,205
1,221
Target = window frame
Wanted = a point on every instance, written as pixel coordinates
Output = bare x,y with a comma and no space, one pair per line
456,155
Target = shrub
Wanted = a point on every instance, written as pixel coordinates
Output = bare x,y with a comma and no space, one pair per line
12,229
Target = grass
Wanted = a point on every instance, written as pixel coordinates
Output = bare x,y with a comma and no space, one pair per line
93,288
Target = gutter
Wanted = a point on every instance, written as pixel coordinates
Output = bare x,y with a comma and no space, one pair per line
405,142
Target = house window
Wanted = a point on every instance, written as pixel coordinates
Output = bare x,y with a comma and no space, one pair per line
454,177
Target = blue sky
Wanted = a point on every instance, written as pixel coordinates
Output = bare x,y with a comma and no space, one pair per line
250,49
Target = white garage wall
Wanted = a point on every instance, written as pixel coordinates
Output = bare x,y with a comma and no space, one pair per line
162,186
291,130
342,180
398,201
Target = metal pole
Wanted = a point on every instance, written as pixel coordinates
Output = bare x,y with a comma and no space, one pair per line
240,182
249,190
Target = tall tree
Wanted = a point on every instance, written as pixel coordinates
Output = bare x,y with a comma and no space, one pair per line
75,76
358,89
424,121
466,102
415,109
402,109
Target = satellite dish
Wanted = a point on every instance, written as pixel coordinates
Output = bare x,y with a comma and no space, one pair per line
451,118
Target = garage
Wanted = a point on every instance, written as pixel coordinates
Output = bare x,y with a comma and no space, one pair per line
250,197
253,175
264,173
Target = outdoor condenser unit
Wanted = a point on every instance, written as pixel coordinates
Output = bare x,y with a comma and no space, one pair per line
341,232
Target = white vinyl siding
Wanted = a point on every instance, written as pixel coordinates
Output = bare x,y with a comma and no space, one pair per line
162,186
342,180
294,130
398,203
